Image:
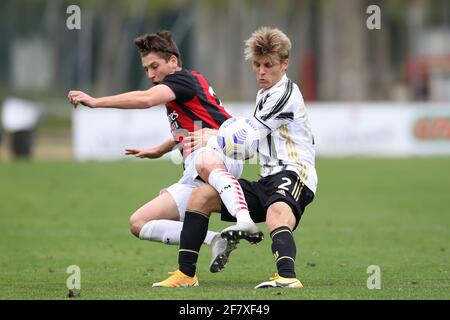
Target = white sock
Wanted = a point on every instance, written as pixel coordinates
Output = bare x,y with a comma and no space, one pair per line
210,236
167,231
231,193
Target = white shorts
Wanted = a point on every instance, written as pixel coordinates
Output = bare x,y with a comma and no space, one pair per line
181,191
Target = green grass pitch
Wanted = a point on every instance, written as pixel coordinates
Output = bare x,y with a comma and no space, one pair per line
393,213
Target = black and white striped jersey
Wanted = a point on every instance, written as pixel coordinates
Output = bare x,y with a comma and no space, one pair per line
286,140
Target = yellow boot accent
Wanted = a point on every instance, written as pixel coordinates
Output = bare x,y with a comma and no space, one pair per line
280,282
177,279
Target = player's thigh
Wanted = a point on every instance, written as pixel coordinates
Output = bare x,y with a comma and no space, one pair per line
284,204
162,207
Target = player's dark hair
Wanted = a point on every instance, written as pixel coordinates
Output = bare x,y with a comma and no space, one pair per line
159,43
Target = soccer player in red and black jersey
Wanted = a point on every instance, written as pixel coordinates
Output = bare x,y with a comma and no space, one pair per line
188,96
191,105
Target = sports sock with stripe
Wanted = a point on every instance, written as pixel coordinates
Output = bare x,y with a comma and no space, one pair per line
284,251
231,193
194,231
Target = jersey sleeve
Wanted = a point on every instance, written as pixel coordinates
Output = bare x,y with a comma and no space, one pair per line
181,85
276,109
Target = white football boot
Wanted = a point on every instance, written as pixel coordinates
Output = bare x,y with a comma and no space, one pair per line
243,230
221,250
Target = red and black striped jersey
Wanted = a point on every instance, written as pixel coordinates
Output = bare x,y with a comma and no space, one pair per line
196,106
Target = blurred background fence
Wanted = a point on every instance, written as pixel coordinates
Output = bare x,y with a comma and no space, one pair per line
335,56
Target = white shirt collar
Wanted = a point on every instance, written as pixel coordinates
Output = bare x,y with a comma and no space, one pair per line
278,84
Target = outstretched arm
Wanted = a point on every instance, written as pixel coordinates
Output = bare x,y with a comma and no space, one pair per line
153,152
154,96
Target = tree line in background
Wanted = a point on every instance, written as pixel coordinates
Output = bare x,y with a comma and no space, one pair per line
334,57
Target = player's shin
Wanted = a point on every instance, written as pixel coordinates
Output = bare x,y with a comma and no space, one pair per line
231,193
284,251
194,231
168,232
232,196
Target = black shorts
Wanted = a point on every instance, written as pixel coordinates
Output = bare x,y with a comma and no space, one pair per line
284,186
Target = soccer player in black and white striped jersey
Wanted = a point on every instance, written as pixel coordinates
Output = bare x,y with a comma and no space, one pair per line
287,158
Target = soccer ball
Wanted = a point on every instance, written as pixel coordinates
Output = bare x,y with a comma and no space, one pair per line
237,138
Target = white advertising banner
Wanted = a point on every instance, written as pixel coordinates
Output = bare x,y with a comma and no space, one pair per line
350,130
104,134
340,129
380,129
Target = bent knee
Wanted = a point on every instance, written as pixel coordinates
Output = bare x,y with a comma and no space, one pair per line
136,225
272,222
280,214
206,162
203,170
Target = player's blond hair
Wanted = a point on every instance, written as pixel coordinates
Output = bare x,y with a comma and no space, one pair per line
268,41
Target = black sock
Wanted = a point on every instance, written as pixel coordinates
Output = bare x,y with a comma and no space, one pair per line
193,234
284,251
